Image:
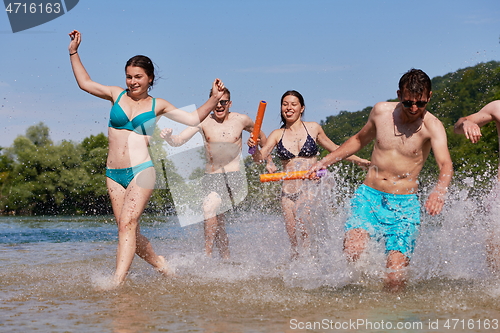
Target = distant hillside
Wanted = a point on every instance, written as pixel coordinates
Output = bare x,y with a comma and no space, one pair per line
465,91
455,95
38,177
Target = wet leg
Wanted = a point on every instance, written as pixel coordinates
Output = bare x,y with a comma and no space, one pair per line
210,206
288,207
493,251
128,205
221,238
303,236
145,250
355,243
396,277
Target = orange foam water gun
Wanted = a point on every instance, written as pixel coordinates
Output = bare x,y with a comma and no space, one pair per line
272,177
258,125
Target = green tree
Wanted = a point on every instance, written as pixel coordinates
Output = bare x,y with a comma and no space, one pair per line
264,197
39,134
53,179
40,177
455,95
161,201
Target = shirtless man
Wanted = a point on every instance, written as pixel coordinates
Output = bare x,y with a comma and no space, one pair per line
386,206
470,126
222,132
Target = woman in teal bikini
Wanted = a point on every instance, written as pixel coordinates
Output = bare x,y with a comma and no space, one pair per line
297,147
129,169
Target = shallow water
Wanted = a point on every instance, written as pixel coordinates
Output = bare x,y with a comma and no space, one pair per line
52,270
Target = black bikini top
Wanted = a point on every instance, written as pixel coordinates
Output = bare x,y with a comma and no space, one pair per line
309,149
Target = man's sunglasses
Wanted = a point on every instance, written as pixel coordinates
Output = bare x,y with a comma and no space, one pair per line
409,104
224,102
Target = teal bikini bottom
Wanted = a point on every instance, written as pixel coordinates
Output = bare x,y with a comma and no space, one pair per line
126,175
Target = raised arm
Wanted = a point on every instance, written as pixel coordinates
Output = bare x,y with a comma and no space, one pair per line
264,154
248,126
470,125
197,116
82,77
350,147
439,145
262,141
181,138
329,145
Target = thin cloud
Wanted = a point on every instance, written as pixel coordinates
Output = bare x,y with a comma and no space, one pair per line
480,19
291,68
334,106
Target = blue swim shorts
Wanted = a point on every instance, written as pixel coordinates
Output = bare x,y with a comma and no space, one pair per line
394,218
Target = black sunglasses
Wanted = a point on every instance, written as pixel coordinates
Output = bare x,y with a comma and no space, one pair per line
409,104
224,102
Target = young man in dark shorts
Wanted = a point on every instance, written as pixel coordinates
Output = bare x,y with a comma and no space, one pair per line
223,180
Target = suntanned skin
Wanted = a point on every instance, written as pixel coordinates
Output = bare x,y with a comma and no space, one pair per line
403,139
127,149
222,132
470,126
293,137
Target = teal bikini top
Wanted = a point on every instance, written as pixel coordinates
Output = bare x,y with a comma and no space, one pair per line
143,124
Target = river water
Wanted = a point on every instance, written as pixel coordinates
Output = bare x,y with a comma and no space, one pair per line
52,270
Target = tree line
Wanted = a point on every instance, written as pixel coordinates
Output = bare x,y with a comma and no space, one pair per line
455,95
39,177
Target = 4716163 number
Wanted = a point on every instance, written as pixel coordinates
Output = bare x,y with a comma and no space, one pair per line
33,8
471,324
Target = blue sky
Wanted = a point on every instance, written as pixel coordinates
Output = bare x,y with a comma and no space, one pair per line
341,55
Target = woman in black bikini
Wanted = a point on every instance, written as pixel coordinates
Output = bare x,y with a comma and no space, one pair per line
296,145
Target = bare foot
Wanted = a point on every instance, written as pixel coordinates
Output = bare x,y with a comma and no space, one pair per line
107,283
164,268
294,254
395,286
225,255
395,281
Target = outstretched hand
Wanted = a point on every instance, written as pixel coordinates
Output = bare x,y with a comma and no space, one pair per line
76,38
434,203
311,173
271,167
472,131
364,164
166,133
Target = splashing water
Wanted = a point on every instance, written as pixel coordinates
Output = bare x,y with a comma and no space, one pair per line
54,272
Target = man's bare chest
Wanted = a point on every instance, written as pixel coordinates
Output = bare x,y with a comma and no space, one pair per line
224,132
405,140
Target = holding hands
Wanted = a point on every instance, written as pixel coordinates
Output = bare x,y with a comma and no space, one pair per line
166,134
218,89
